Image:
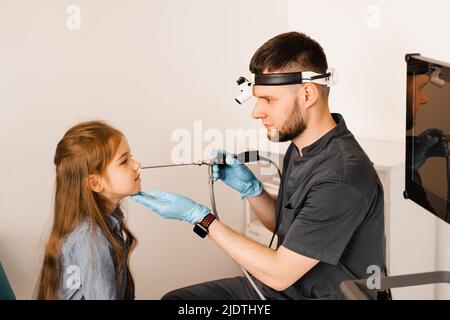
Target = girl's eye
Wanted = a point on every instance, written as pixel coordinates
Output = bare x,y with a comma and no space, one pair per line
126,159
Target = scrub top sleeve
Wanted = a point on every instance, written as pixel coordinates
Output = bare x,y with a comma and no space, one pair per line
325,224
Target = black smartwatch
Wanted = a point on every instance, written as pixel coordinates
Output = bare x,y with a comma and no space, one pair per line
201,228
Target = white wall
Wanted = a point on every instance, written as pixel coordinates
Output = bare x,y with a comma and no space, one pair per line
366,41
147,67
369,56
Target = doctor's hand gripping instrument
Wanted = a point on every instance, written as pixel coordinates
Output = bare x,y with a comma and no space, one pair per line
328,79
236,175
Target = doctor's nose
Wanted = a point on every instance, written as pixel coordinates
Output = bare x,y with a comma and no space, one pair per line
258,111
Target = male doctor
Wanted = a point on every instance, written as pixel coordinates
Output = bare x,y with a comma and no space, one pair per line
329,218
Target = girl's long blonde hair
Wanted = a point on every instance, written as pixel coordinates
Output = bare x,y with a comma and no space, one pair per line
85,149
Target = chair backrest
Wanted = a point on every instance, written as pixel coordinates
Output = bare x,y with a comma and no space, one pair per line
6,292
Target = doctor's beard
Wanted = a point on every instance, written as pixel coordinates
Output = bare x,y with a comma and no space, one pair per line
293,126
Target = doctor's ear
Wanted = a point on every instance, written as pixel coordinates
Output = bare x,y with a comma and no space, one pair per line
95,183
309,94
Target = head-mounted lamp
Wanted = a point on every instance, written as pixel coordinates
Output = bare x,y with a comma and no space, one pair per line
281,79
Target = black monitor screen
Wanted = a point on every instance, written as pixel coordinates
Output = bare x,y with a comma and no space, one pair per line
428,134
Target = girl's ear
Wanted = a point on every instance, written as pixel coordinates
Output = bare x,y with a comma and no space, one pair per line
95,183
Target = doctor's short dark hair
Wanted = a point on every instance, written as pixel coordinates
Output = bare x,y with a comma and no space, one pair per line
287,51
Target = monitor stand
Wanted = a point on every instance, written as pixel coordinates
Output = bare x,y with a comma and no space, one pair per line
354,289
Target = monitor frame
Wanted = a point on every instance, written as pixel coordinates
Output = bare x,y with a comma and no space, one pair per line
411,186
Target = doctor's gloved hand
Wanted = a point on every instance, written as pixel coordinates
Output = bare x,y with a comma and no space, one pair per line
172,206
236,175
429,144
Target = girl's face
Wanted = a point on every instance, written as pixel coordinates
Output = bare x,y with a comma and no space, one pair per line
122,176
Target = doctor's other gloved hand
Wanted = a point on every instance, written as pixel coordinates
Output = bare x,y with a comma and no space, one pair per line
172,206
429,144
236,175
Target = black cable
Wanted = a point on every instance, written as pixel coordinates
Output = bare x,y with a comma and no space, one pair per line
254,156
278,213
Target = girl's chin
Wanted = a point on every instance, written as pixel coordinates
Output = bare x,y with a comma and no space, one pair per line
139,188
133,191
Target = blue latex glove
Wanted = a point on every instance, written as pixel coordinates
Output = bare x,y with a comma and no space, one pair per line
172,206
429,144
236,175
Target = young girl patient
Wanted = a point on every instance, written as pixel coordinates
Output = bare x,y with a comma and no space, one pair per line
87,253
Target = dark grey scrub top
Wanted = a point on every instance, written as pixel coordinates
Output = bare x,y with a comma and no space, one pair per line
332,211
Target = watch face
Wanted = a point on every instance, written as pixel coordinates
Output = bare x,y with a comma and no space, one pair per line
200,230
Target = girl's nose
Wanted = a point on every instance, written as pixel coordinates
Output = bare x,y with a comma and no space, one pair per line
137,165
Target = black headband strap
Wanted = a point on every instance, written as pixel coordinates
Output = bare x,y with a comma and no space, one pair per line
278,79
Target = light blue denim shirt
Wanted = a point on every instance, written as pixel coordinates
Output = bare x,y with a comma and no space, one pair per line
87,261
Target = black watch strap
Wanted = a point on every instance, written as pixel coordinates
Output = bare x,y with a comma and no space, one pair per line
202,227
